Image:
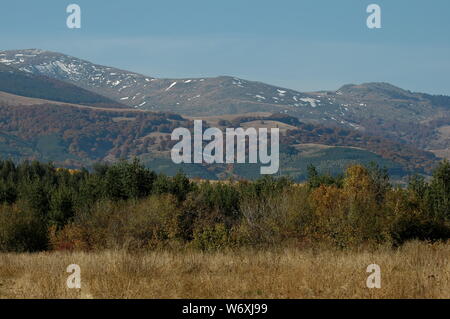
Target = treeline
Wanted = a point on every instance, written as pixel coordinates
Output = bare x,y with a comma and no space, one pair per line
438,100
128,206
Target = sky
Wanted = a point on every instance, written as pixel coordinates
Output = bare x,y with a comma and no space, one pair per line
305,45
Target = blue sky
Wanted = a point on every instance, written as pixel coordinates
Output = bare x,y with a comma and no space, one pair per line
300,44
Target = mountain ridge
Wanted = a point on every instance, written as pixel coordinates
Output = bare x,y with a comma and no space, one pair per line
373,108
18,82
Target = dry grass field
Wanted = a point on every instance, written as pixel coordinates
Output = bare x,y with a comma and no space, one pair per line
417,270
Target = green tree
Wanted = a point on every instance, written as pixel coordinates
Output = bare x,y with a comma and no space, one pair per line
439,193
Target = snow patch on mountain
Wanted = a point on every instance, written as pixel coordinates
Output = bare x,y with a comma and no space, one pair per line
171,86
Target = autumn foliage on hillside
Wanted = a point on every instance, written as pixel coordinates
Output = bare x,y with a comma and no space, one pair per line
78,136
89,133
389,147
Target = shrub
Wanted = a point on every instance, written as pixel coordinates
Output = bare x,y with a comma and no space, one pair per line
131,225
351,215
21,231
71,237
212,238
274,219
8,193
413,226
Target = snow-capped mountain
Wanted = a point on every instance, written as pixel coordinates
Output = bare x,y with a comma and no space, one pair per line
103,80
26,84
378,108
201,96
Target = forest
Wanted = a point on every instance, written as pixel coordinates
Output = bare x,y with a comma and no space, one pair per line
81,136
127,206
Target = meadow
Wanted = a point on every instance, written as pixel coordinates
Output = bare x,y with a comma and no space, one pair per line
137,234
416,270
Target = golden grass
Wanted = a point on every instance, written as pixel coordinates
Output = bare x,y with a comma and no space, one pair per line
417,270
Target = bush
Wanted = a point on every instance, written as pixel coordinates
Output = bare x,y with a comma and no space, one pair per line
21,231
133,225
351,215
71,237
212,238
8,193
413,226
271,220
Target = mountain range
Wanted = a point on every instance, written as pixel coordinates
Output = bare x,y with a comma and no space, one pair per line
403,130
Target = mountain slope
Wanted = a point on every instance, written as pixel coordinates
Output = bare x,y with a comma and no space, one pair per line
74,136
349,106
77,135
206,96
377,109
26,84
103,80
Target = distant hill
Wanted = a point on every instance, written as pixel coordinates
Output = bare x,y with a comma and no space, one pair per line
61,108
76,136
25,84
380,109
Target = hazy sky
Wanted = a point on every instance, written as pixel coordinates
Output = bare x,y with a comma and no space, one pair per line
299,44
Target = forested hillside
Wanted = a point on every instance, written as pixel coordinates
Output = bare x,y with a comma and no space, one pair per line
72,136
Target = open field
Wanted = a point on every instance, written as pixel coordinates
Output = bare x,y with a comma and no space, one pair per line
417,270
